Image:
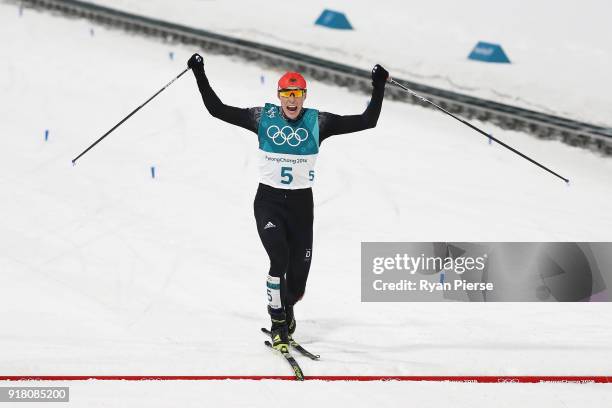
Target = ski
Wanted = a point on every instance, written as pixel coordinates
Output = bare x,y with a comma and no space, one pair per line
299,375
297,346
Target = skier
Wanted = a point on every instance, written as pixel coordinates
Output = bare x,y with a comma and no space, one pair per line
289,139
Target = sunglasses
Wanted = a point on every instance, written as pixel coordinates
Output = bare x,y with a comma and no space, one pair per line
286,93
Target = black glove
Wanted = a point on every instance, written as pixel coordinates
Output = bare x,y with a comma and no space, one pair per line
379,75
196,62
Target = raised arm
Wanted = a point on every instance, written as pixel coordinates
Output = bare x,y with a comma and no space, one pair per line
244,117
331,124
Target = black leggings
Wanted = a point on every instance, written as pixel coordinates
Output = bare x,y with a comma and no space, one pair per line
284,223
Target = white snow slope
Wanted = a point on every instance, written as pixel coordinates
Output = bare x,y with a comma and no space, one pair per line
560,51
106,271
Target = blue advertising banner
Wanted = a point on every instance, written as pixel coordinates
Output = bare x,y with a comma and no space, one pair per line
488,52
334,19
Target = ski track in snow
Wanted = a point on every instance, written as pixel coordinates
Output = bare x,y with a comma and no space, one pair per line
558,66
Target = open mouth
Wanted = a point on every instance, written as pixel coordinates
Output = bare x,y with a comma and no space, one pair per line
291,108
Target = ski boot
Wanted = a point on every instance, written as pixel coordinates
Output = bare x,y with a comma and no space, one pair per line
279,332
280,337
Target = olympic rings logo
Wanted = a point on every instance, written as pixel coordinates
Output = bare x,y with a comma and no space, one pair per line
286,134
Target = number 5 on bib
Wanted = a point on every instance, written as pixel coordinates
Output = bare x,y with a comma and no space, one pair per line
286,172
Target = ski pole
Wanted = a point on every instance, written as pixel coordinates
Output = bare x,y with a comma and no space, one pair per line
127,117
411,92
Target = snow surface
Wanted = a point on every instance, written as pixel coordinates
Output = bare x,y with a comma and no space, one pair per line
106,271
561,51
187,394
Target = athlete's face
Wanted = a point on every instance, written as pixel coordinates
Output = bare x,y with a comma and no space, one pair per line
292,104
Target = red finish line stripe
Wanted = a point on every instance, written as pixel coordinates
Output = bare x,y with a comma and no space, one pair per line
464,379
